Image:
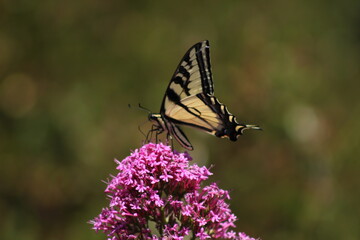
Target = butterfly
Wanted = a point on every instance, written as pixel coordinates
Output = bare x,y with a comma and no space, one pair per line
189,100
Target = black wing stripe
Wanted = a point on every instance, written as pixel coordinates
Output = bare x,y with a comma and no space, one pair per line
173,96
190,124
209,81
204,67
206,127
181,78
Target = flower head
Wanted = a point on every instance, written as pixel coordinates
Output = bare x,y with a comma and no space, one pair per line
158,195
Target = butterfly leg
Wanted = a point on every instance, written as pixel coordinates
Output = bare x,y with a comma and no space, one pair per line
142,132
168,139
154,128
172,143
159,130
149,134
156,136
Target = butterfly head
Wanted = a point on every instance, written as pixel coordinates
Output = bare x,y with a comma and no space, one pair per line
157,119
154,117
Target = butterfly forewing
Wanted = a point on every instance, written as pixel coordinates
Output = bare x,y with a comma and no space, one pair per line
193,74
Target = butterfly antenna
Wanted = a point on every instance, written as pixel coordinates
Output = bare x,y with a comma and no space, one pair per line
139,128
140,107
143,108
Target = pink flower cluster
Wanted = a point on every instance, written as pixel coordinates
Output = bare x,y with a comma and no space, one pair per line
157,195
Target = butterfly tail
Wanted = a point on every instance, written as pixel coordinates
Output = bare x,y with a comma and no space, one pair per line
241,128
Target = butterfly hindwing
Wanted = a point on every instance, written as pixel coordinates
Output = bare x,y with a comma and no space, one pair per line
206,113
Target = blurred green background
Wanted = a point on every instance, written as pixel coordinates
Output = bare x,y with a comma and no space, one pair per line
69,69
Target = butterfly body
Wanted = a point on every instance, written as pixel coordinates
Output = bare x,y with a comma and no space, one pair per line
189,101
